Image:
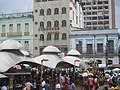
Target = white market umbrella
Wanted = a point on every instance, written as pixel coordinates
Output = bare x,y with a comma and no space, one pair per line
71,60
53,60
116,69
8,59
10,44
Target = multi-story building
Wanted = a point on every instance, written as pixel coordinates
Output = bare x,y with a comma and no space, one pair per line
99,14
52,20
18,26
99,45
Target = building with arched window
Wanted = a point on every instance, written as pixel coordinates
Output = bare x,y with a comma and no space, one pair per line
55,18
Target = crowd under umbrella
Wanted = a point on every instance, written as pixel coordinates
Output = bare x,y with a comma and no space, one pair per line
50,58
10,54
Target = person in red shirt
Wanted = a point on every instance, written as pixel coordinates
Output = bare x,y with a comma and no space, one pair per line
91,82
65,86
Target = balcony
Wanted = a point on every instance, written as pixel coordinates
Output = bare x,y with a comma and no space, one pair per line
3,34
26,33
14,34
99,55
18,33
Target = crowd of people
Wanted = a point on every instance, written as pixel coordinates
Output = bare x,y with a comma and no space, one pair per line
64,81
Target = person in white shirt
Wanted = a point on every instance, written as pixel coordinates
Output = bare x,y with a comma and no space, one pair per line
3,88
57,86
43,84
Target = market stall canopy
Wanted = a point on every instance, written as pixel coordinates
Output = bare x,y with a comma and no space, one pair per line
50,53
10,58
73,52
10,44
116,69
52,62
72,57
2,76
51,49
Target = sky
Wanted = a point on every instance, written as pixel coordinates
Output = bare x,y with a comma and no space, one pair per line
14,6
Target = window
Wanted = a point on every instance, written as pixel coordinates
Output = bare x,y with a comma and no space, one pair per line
89,49
56,36
26,27
48,24
63,23
73,14
41,24
64,36
99,61
56,11
36,23
18,27
100,48
56,24
11,27
63,49
41,12
36,11
26,45
41,37
44,0
3,28
48,36
110,46
109,62
63,10
49,11
79,46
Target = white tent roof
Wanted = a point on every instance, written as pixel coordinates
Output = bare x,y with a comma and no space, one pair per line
71,60
2,76
10,44
24,52
116,69
51,49
73,52
53,60
8,59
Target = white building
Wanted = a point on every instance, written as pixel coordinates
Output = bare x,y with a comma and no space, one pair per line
52,20
99,14
92,44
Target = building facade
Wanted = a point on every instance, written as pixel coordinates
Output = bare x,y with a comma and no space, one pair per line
52,20
99,14
98,45
18,26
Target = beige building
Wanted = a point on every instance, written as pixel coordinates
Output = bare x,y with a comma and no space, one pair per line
52,20
99,14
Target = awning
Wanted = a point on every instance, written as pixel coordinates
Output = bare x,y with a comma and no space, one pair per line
9,59
53,60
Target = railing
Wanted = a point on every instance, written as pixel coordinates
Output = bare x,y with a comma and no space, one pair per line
3,34
99,55
13,34
48,28
26,33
